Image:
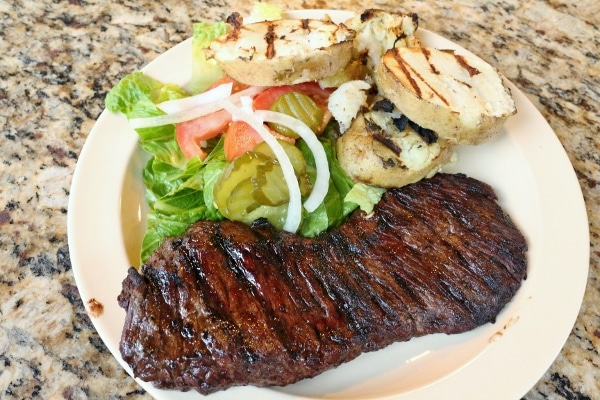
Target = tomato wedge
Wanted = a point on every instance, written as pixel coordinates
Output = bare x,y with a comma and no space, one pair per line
239,138
190,134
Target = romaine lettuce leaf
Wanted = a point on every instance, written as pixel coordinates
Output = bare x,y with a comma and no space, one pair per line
365,196
262,11
334,209
205,72
176,188
179,197
137,94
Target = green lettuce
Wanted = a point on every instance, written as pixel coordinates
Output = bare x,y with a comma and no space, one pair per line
178,197
265,12
178,191
137,94
365,196
334,209
205,71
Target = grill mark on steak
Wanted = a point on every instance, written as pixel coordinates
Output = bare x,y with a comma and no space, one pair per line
263,279
473,233
380,284
226,304
412,274
376,285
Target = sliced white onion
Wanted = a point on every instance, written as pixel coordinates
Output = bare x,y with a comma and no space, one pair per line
294,213
321,185
246,104
166,119
192,113
178,105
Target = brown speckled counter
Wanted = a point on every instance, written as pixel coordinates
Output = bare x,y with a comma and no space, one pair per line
58,59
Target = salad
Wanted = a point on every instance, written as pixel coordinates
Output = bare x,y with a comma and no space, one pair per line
221,149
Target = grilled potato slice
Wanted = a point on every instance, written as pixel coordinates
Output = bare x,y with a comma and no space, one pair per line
285,51
377,151
460,97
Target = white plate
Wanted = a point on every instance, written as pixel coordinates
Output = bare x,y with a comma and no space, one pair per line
535,183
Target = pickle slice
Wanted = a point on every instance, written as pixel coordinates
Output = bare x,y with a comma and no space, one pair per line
276,215
241,202
241,168
299,106
253,185
293,153
296,158
270,187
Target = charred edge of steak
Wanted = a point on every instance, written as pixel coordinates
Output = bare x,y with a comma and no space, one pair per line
226,304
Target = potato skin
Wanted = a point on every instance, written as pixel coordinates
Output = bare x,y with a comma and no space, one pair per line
365,159
401,84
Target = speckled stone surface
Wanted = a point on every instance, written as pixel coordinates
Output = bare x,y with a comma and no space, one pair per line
58,59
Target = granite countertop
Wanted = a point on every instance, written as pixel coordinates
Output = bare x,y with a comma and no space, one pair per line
59,59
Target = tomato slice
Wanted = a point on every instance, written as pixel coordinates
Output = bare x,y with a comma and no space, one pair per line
264,100
190,134
239,138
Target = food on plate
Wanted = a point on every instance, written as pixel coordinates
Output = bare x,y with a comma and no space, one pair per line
459,96
377,31
346,102
297,214
308,82
227,304
383,148
283,51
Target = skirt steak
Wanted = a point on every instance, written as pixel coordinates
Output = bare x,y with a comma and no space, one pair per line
227,304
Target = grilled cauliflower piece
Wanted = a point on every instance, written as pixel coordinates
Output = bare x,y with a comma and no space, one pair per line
384,149
378,31
346,101
460,97
284,51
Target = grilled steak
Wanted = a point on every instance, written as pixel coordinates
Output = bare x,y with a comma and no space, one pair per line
226,304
